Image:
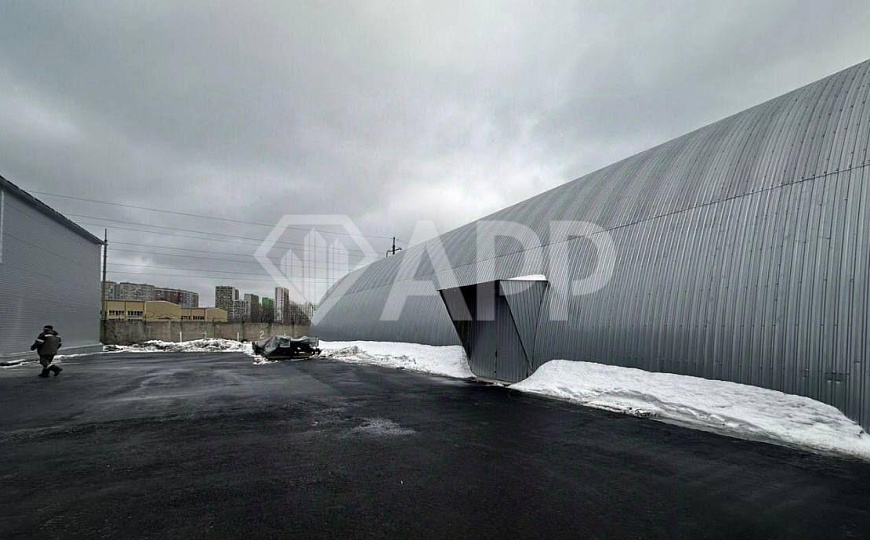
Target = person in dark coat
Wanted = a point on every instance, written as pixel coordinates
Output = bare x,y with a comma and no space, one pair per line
47,345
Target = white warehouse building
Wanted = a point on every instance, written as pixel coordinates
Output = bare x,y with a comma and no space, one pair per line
49,274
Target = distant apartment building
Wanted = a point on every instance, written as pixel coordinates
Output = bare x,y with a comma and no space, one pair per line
282,304
241,311
185,299
144,292
110,290
300,314
289,312
253,308
224,296
267,310
141,292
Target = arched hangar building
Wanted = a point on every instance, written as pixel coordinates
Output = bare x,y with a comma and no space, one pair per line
740,252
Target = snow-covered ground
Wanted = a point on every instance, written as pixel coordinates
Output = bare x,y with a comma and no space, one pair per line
197,345
724,407
30,361
449,361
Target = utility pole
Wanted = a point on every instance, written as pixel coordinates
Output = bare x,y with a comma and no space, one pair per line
394,248
103,286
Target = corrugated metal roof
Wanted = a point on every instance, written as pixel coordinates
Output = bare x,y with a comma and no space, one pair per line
32,201
743,254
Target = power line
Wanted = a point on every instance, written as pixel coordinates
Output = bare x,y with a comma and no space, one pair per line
247,254
214,271
200,216
265,279
185,249
188,256
212,278
181,255
225,237
228,238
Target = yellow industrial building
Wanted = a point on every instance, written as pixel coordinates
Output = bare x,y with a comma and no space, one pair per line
121,310
204,314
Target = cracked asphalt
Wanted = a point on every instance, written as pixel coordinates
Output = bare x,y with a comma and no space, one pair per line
212,446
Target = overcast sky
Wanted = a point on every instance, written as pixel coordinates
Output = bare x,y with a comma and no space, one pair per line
388,112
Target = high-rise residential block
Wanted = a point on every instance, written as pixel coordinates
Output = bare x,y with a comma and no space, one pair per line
135,292
224,296
253,308
185,299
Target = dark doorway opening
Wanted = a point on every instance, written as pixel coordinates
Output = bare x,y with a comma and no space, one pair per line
497,323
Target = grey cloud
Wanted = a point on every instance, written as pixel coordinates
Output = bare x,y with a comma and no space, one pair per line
386,111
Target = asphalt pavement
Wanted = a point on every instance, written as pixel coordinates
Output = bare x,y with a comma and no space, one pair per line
213,446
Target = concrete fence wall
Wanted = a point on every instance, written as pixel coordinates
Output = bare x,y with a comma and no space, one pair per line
130,332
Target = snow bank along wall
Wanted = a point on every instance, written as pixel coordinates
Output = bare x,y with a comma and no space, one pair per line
742,254
49,274
131,332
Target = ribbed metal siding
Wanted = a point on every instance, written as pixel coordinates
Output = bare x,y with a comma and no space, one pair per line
483,351
474,314
742,255
511,361
486,326
524,299
48,275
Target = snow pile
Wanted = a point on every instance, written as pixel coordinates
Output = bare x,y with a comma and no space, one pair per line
16,364
382,427
724,407
532,277
197,345
449,361
27,362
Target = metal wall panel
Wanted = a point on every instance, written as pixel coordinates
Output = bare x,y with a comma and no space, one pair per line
511,362
486,325
742,255
524,300
483,345
48,275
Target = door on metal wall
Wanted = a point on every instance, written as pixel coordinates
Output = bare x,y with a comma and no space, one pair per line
523,297
496,323
473,312
510,359
483,350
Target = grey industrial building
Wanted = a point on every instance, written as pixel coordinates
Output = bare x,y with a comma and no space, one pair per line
741,254
49,274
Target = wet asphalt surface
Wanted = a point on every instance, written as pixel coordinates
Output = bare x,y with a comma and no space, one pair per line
212,446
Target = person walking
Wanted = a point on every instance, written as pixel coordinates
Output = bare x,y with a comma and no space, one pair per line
47,345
